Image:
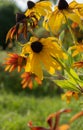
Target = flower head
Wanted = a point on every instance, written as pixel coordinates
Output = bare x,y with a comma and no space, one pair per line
41,52
61,14
15,61
22,25
68,95
28,79
19,28
39,8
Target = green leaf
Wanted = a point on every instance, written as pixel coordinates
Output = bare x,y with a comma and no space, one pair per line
74,74
67,84
61,36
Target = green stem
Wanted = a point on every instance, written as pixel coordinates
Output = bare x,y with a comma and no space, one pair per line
72,34
67,70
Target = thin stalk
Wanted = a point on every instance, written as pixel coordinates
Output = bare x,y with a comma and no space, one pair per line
71,32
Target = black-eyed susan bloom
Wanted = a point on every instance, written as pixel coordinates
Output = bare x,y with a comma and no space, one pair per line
63,12
40,53
39,8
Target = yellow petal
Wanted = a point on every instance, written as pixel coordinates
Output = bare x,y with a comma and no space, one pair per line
73,5
74,17
26,49
7,67
75,53
45,5
48,63
79,12
36,66
33,39
64,127
28,64
41,11
55,21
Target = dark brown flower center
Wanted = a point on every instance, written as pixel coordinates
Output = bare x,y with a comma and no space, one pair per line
36,46
30,4
62,5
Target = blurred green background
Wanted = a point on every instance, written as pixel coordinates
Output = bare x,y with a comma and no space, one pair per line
19,106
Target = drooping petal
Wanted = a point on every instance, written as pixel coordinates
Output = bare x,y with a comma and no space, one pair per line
79,12
45,5
74,17
78,64
36,66
33,39
48,63
55,21
73,5
26,49
40,8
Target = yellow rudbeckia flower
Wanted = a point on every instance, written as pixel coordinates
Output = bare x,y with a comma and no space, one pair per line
61,13
39,8
41,52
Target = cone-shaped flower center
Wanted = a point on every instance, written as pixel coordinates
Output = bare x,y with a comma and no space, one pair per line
36,46
30,4
62,5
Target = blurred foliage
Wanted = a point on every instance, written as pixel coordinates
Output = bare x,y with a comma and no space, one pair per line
7,19
17,109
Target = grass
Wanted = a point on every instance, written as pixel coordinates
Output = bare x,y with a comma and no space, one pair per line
19,106
16,110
